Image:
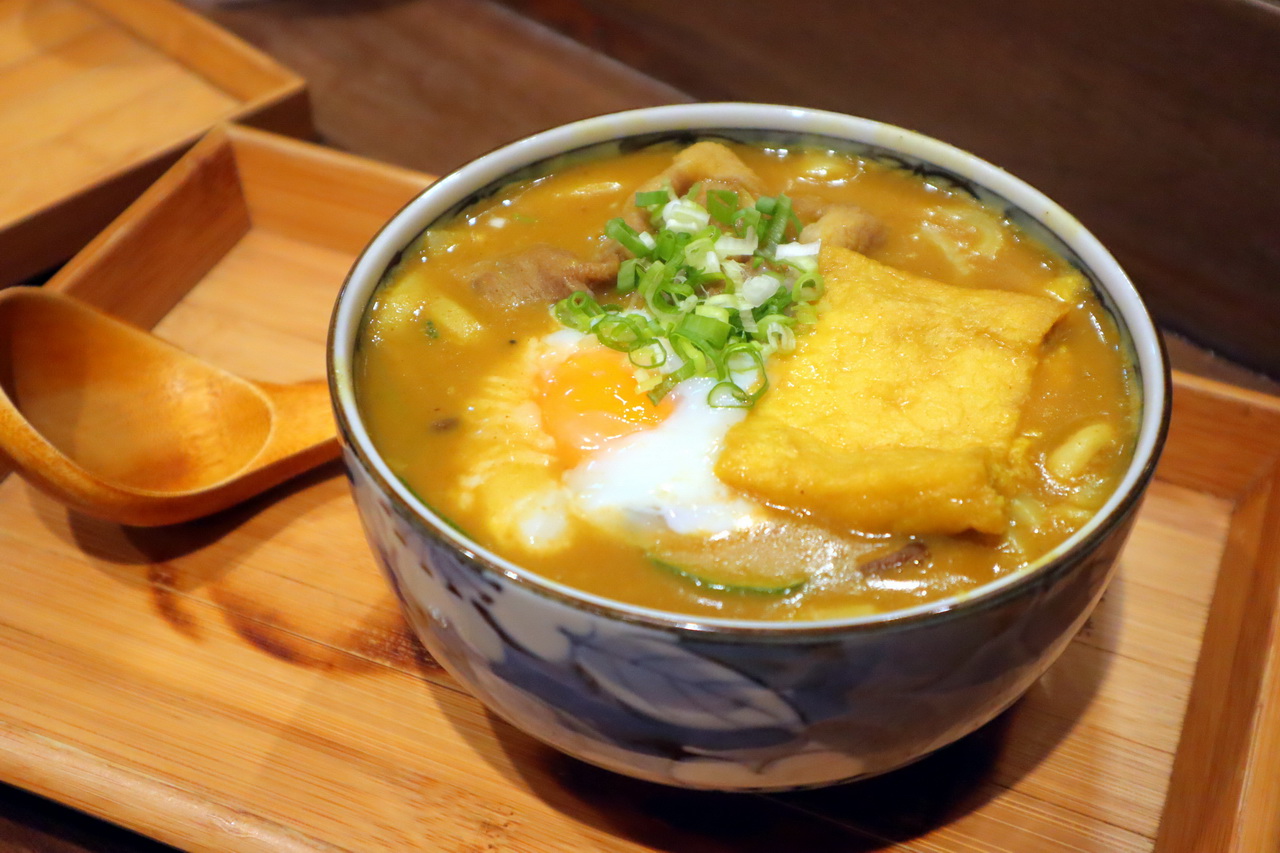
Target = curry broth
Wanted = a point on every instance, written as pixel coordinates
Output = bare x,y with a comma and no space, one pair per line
429,345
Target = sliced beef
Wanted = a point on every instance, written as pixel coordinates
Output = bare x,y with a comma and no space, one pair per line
541,273
545,273
913,552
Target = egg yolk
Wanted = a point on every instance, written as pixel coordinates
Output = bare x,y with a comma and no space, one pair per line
590,398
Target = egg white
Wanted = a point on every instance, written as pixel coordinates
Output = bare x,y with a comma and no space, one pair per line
648,483
664,477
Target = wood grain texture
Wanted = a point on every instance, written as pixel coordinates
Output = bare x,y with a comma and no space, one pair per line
97,97
1236,680
77,411
1156,121
1226,468
34,824
120,425
430,84
238,184
246,682
149,654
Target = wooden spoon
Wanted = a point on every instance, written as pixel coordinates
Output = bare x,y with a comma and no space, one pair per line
118,424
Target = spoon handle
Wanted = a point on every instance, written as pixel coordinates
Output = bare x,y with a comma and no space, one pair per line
303,433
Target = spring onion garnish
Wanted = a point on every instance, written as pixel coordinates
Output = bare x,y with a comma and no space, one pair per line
712,290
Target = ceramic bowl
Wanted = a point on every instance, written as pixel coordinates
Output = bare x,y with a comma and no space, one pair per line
715,703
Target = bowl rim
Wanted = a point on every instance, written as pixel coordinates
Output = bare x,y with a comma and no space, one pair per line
1122,298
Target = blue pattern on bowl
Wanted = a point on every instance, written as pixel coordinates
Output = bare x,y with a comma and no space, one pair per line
707,703
714,709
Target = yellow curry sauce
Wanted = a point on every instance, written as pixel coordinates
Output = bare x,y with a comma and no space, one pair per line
443,381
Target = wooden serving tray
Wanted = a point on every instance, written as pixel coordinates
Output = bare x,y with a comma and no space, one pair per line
245,683
98,98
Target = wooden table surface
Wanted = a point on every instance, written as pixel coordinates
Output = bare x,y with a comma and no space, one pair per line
426,84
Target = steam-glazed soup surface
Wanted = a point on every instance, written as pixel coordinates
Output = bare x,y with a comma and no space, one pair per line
749,382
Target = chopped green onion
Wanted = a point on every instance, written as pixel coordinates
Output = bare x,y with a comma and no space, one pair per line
649,199
801,255
670,245
578,310
726,395
775,332
627,236
734,272
684,216
759,289
747,221
722,205
779,219
779,303
732,247
700,253
805,313
731,301
671,380
701,328
649,355
704,358
620,332
712,290
628,277
716,312
808,288
746,360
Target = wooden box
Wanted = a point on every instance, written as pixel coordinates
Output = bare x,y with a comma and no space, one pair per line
246,683
98,98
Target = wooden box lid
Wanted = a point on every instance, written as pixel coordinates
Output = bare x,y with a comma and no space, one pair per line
98,98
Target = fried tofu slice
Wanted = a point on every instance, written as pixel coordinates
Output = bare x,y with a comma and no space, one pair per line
897,413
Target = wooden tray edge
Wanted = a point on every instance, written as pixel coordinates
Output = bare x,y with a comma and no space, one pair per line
167,812
1224,791
283,107
82,275
192,40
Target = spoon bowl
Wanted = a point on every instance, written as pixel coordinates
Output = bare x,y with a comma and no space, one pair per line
116,423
